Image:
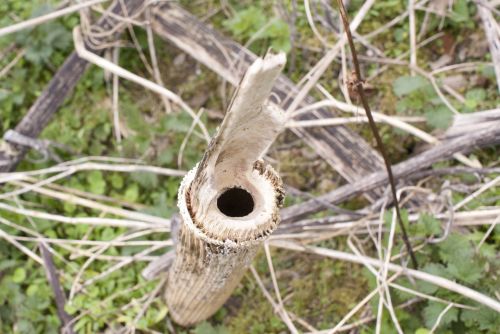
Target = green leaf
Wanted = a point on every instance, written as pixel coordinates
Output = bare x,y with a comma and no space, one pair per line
455,248
488,251
473,99
407,84
470,105
96,182
476,94
161,313
488,71
7,264
132,192
19,275
178,123
82,323
32,290
422,331
246,22
439,118
108,233
69,208
467,270
433,310
431,224
279,34
166,156
400,34
163,207
117,181
146,180
462,262
460,11
24,326
70,308
483,319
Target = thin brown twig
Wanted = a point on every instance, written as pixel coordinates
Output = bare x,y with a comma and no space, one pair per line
358,82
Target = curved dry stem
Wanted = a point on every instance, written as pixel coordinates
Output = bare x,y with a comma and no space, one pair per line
117,70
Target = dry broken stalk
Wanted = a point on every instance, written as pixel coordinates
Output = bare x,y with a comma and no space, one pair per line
229,203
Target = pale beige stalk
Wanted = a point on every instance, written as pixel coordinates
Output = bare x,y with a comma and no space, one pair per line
229,203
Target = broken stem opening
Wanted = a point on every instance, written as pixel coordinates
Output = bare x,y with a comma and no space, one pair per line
235,202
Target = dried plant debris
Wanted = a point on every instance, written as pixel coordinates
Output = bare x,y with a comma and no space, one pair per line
94,146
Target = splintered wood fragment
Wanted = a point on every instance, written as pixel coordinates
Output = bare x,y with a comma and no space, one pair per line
229,203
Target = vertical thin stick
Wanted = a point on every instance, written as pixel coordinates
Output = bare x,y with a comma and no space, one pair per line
359,86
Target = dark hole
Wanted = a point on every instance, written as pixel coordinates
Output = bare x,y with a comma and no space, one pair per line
235,202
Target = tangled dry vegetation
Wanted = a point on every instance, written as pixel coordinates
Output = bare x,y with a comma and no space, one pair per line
105,104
